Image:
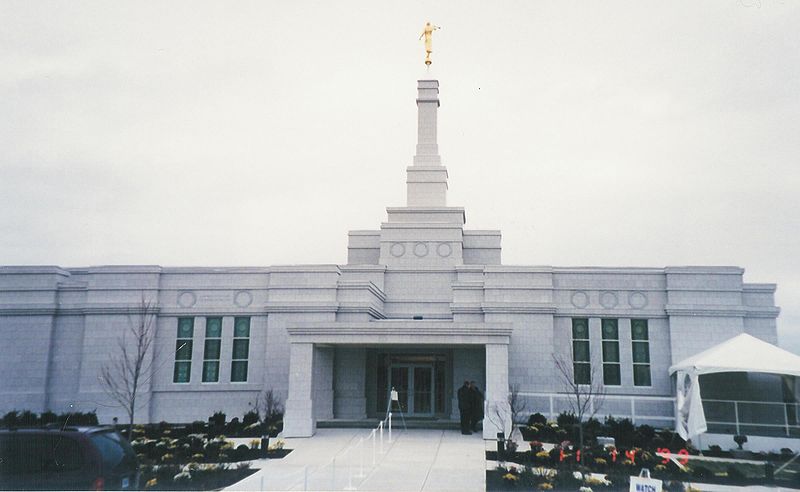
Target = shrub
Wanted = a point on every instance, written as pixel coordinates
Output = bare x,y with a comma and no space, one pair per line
536,418
250,417
566,420
623,431
714,450
735,474
644,435
11,418
217,419
702,472
48,417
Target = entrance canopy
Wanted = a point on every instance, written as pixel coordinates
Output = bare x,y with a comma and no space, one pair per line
742,353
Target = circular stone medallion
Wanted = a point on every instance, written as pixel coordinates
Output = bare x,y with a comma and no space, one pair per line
608,300
580,299
397,250
187,299
421,249
637,300
243,298
444,250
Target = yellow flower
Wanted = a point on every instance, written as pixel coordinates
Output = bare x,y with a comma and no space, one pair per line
543,454
545,486
510,477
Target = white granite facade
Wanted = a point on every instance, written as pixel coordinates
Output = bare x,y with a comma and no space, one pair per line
421,296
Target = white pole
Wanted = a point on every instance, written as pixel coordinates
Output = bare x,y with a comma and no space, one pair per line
333,475
380,426
262,482
390,427
373,447
305,477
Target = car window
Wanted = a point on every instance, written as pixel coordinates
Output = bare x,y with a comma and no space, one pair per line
39,453
114,449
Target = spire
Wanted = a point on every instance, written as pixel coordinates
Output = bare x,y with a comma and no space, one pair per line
427,178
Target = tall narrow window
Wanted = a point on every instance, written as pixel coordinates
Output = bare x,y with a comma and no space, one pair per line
183,351
640,345
211,350
611,372
241,348
581,365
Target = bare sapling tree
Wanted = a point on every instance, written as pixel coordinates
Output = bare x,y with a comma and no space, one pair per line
504,415
123,376
585,400
269,408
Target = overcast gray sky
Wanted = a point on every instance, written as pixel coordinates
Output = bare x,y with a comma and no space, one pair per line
591,133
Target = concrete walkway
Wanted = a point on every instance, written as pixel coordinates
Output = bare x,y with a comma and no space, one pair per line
416,460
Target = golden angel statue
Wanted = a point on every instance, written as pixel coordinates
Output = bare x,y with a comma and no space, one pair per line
428,34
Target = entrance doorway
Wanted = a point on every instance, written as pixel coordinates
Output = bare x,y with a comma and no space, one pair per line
420,380
414,386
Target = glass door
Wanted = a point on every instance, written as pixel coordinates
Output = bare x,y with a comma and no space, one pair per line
399,381
414,386
423,390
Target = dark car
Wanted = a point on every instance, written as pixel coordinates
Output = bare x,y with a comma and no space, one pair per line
69,458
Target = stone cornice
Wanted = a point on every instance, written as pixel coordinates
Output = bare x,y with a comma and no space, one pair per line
300,307
519,307
400,332
34,270
709,310
704,270
572,312
762,288
362,285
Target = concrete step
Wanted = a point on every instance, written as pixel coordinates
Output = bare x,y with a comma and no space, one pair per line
397,423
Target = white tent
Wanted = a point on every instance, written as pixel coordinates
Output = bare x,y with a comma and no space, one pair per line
742,353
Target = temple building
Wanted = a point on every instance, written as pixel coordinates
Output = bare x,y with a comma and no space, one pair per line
422,304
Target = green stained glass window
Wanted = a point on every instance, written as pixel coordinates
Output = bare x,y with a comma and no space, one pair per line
641,353
183,349
210,371
182,371
213,327
641,374
185,327
639,329
610,329
640,348
580,329
239,371
580,351
212,349
582,373
611,374
241,347
241,327
611,351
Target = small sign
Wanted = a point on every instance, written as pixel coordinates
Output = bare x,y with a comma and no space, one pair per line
643,483
394,395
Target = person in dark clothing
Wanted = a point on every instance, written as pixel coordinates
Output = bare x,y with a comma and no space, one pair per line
465,400
477,406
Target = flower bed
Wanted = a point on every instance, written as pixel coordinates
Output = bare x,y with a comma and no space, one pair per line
193,476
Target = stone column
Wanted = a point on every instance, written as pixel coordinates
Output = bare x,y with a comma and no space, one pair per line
350,400
323,383
299,420
496,390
